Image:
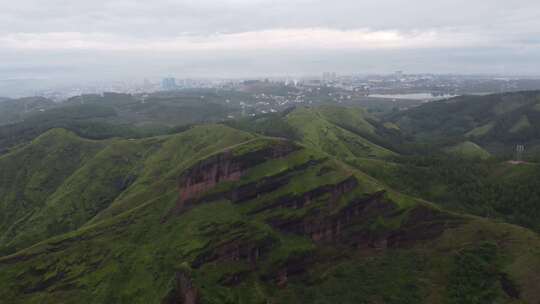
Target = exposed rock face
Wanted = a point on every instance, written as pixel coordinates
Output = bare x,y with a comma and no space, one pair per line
329,228
183,291
222,167
268,184
422,223
282,277
290,201
293,266
249,251
350,225
207,174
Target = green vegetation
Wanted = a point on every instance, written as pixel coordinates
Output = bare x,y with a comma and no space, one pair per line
522,124
495,122
356,119
313,205
388,278
14,110
468,149
315,131
480,131
32,174
483,187
109,115
474,277
267,124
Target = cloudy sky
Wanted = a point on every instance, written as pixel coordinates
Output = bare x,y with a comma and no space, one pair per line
115,39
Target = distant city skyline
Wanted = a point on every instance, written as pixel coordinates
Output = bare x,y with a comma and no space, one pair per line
397,84
61,42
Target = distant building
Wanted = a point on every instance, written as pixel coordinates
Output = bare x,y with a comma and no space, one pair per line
169,84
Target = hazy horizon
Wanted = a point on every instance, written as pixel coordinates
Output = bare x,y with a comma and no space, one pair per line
74,41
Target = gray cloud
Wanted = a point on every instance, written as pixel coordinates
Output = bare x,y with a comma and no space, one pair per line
168,17
117,38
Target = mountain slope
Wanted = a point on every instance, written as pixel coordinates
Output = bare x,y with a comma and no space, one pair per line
467,149
496,122
31,174
489,188
318,128
217,215
77,182
111,115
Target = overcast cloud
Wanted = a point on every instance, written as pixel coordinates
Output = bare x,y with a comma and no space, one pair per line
112,39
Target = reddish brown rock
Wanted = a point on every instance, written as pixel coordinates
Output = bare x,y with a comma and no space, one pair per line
300,201
249,251
206,174
329,228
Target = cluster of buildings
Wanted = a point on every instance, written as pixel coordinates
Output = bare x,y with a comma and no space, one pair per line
330,85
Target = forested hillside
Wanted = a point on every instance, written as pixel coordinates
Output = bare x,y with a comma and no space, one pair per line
496,122
217,215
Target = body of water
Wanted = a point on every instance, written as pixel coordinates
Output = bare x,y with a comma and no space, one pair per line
413,96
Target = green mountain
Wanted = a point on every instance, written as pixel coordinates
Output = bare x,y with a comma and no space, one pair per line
109,115
47,188
15,110
342,132
495,122
214,214
33,173
336,131
472,185
468,149
161,108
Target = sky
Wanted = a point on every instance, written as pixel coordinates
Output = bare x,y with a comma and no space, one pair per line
81,40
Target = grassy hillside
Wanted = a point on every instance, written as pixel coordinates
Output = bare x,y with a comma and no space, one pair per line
324,128
486,188
344,132
109,115
59,181
31,174
355,119
496,122
468,149
87,120
218,215
166,109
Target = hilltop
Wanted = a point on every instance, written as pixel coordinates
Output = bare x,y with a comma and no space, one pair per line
343,132
109,115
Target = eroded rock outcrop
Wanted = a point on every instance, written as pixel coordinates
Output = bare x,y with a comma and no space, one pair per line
246,250
299,201
207,174
225,166
419,224
329,228
268,184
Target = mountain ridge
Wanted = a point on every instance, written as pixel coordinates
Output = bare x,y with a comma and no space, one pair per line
218,214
